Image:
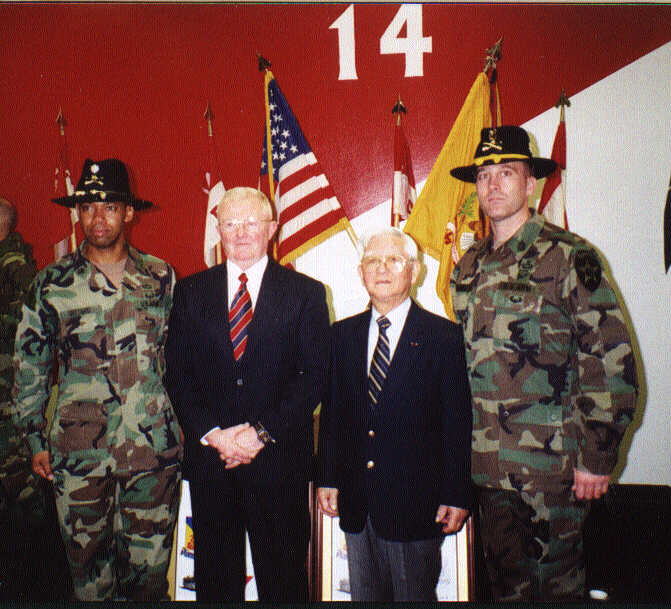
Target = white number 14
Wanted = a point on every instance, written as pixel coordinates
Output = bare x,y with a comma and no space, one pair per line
413,46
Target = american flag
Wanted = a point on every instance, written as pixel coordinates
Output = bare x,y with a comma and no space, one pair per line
307,208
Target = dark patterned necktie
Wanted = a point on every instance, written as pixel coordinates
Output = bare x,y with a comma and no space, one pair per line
379,366
239,317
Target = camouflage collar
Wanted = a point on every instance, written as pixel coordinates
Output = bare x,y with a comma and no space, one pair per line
525,236
12,243
134,255
521,241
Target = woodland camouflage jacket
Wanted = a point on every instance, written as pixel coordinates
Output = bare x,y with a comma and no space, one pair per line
17,269
109,343
549,357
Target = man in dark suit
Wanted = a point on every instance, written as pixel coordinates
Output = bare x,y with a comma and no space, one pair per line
395,432
247,360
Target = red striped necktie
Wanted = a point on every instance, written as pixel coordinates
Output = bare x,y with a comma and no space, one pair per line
239,317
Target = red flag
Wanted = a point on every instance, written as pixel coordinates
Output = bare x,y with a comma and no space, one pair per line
552,203
307,208
212,239
404,194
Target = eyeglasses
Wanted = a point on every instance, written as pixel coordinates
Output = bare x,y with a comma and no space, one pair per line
251,225
394,263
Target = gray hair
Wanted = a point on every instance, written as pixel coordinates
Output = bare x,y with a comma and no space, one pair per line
8,215
409,245
245,192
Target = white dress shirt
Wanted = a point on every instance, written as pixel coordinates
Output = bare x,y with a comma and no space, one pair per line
254,276
397,317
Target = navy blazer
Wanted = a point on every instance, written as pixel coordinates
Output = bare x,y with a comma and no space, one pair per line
278,381
418,438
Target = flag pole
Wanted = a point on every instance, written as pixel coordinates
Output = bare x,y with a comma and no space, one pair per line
492,58
208,116
264,66
399,109
60,121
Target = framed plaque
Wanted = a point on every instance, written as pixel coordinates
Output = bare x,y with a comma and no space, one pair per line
456,577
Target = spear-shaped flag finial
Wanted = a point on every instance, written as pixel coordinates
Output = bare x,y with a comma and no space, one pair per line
208,116
562,102
60,120
264,64
493,56
399,109
399,106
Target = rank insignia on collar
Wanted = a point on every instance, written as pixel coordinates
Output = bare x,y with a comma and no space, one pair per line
588,268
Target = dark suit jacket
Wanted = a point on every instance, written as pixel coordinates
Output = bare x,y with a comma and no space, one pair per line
278,381
421,438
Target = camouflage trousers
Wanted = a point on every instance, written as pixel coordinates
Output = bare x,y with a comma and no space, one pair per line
532,542
118,531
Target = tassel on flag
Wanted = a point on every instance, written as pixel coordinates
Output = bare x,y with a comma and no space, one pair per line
552,203
308,211
403,193
212,240
63,187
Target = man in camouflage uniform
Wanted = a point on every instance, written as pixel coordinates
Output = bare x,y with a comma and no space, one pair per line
113,449
22,507
552,377
17,269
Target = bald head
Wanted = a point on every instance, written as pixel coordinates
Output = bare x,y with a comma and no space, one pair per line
7,218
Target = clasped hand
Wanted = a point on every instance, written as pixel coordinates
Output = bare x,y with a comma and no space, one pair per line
236,445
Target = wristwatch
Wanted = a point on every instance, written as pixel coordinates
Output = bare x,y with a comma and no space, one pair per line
263,434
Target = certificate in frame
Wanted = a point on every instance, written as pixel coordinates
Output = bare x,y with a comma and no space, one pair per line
456,577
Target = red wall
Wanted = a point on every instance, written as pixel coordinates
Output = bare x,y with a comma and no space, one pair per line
133,81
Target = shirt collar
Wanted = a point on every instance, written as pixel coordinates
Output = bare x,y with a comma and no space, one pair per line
254,273
396,316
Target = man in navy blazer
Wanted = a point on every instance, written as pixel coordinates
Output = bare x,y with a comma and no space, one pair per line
395,431
247,357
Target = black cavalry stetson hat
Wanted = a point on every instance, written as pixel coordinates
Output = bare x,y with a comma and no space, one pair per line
502,144
103,181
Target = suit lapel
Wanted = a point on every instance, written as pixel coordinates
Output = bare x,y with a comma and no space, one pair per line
410,344
269,303
215,305
359,355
